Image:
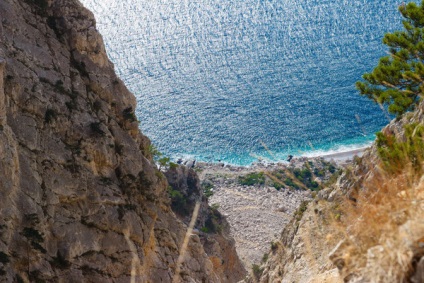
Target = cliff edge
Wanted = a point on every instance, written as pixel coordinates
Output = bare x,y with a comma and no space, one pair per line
366,227
80,197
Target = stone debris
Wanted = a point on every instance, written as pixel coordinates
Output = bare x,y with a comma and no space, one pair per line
257,216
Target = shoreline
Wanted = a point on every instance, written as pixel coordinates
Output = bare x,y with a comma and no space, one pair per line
345,155
340,158
268,208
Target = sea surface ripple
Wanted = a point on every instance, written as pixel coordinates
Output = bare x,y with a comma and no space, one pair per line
238,81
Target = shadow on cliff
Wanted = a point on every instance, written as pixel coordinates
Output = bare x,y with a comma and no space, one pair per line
213,229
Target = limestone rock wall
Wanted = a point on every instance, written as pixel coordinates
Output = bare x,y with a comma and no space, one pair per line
319,245
212,228
80,198
301,254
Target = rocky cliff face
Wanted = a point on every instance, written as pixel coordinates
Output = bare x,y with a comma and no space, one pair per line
80,198
365,228
301,254
212,228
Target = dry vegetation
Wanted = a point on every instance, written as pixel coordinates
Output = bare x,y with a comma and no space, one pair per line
383,221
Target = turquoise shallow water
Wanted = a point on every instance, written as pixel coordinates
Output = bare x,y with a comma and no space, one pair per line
240,80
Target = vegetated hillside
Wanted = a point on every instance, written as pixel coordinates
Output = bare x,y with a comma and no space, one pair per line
368,226
80,198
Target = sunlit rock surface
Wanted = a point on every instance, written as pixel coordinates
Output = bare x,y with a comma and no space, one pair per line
80,198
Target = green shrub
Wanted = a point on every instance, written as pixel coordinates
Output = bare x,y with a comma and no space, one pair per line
178,201
289,182
303,174
277,186
207,189
215,206
265,258
305,177
252,179
213,222
154,151
396,154
302,208
319,172
204,229
397,79
313,185
163,162
257,271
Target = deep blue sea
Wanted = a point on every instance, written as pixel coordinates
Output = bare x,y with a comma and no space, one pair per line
241,80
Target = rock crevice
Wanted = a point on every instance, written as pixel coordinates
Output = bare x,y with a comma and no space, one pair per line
80,197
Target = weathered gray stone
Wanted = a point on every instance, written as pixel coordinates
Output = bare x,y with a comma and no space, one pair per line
80,197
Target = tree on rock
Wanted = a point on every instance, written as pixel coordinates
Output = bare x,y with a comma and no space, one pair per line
398,79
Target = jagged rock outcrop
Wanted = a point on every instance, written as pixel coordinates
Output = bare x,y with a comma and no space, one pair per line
212,227
366,228
80,198
185,181
367,167
301,254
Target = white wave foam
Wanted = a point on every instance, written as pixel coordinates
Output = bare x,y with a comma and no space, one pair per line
339,150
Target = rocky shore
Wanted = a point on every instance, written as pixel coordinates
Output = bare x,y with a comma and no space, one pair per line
256,216
258,213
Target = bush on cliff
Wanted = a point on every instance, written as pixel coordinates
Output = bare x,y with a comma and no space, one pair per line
178,201
397,154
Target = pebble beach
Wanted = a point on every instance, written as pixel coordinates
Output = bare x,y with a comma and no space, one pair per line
258,214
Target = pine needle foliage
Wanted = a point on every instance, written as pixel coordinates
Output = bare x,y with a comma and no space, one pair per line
397,81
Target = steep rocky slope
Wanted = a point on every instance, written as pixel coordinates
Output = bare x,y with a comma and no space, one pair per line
366,228
212,227
257,214
80,198
259,201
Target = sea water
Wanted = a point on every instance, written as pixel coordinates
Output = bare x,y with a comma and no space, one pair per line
238,81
